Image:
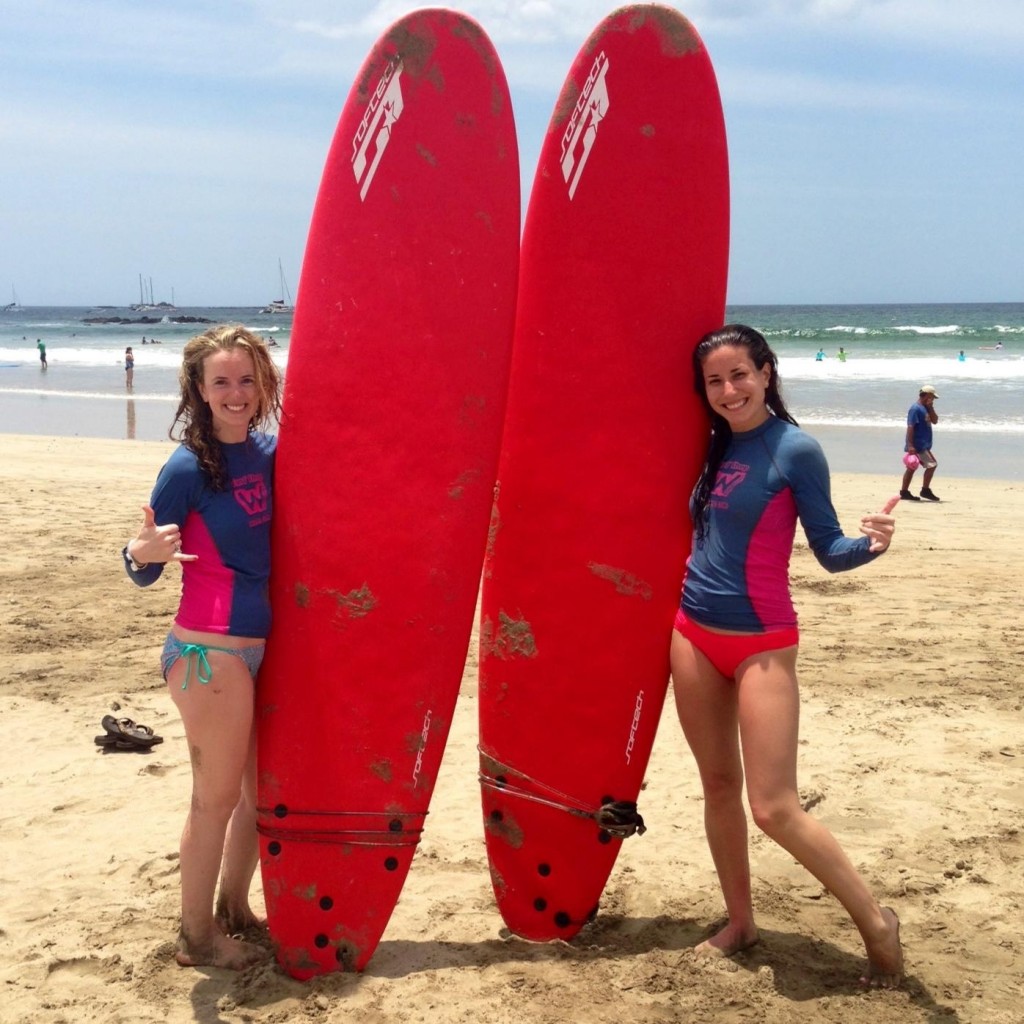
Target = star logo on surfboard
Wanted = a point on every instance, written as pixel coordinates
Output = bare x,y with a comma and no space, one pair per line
581,132
374,132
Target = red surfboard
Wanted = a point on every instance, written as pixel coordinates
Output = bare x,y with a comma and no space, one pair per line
396,382
622,270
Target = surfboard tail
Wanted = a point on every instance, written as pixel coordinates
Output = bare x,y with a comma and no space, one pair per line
623,269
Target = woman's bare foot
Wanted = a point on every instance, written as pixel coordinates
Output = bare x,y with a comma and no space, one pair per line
232,920
885,955
732,939
219,951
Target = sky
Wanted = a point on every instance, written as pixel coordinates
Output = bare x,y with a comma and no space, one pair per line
876,147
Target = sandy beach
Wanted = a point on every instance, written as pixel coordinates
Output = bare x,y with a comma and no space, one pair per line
912,752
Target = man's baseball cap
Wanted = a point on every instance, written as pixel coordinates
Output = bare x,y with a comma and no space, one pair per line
929,390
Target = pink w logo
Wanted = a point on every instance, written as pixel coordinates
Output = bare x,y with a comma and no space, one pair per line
252,499
726,482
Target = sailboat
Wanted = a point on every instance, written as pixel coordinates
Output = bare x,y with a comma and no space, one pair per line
146,302
13,304
279,305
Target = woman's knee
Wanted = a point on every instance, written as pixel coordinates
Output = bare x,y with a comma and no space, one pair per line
217,802
722,786
772,815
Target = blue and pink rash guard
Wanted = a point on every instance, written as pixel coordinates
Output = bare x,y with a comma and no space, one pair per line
225,589
737,576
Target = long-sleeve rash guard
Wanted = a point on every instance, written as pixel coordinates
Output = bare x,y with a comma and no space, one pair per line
225,589
737,576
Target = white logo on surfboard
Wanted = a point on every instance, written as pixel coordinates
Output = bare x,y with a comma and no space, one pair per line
424,740
591,109
384,109
638,709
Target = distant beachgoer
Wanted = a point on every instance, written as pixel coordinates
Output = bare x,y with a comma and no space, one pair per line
213,497
820,356
961,358
997,347
42,352
143,339
920,419
129,366
842,354
735,642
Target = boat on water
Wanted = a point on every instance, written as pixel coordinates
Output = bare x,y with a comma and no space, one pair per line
13,304
279,305
146,302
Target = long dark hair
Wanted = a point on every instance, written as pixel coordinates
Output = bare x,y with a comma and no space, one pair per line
760,355
193,422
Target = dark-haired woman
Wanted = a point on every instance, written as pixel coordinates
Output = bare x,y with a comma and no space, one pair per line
210,511
734,648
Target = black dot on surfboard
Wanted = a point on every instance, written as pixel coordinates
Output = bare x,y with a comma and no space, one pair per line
544,870
603,837
497,816
562,919
326,903
273,848
500,780
395,825
280,811
321,941
391,863
540,903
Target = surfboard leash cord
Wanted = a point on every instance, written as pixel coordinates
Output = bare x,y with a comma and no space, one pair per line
397,832
618,818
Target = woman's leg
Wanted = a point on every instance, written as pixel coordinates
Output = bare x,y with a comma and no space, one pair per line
241,855
769,718
218,720
706,702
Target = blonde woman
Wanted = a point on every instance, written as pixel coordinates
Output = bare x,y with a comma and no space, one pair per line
210,511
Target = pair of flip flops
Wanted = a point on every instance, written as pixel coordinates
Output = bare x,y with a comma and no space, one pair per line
124,734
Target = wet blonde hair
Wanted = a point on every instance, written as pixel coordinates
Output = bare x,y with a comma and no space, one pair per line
193,422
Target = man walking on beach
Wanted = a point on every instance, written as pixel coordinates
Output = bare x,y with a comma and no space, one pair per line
920,418
42,352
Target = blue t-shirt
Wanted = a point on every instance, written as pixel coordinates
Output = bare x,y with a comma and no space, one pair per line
225,589
737,576
917,419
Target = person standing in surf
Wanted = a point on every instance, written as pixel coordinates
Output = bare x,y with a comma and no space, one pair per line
210,511
734,646
921,417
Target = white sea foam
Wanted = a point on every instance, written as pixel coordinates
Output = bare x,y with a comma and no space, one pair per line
158,356
974,426
916,329
134,396
990,367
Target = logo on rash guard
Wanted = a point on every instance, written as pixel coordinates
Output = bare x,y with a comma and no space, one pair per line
251,494
730,476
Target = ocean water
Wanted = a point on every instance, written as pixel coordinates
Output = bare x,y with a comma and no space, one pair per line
857,408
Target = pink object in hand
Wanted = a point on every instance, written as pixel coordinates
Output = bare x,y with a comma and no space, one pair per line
911,461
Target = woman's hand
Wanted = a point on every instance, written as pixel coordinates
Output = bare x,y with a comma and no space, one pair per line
157,543
880,526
